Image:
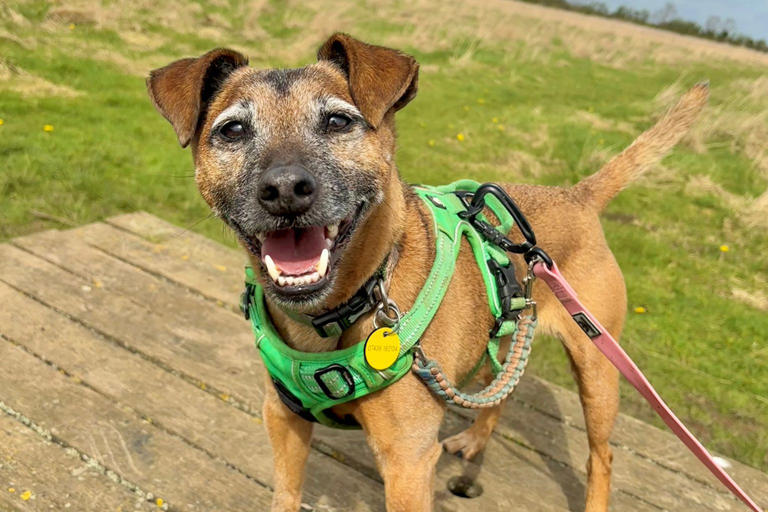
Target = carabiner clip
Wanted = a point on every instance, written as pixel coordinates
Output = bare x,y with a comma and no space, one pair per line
478,203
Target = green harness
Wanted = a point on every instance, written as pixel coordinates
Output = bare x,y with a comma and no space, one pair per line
310,383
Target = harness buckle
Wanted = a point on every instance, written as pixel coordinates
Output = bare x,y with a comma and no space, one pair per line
334,322
345,375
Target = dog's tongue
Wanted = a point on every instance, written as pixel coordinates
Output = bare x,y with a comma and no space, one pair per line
295,251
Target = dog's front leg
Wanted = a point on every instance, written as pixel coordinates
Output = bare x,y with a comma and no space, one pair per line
401,425
290,438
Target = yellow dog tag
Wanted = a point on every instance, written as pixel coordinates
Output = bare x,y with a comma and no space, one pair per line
382,348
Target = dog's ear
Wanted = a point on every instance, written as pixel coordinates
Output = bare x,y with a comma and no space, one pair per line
181,90
380,79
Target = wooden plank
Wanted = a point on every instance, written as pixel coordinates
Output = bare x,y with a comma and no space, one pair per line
202,419
214,271
663,487
512,477
9,502
630,434
141,453
175,256
634,436
57,479
213,348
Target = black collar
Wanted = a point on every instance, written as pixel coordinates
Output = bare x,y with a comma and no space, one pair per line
332,323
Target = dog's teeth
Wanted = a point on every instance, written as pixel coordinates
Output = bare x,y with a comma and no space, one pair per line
301,280
322,265
313,278
271,267
333,230
282,281
328,243
291,281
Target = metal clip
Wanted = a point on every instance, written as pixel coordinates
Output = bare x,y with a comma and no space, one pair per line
528,280
387,312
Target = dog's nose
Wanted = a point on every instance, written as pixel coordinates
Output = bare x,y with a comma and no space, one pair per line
287,190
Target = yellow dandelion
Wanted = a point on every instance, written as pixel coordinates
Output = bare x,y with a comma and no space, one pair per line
98,284
159,502
224,396
500,127
47,127
431,143
724,248
71,26
640,310
466,108
460,137
26,495
203,386
495,120
481,101
1,122
11,489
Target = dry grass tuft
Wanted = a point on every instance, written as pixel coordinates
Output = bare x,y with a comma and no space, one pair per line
756,214
18,80
601,123
756,299
740,119
520,163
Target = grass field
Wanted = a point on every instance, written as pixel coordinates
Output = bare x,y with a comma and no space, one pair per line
535,95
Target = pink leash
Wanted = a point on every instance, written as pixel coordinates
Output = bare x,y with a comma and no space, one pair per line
610,347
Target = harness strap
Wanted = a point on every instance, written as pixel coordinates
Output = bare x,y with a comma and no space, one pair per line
610,347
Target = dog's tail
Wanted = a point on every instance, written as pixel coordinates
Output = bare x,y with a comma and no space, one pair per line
648,149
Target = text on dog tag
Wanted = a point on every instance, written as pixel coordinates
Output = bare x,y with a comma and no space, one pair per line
382,348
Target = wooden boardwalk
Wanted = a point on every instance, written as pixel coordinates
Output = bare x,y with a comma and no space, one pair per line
129,381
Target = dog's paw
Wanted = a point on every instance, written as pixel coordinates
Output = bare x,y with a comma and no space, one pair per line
465,444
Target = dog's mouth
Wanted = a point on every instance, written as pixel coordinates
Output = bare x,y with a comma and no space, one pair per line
300,260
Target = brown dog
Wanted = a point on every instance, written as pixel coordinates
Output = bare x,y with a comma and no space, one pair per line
302,161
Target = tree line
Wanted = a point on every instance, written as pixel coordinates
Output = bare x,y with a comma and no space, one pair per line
666,18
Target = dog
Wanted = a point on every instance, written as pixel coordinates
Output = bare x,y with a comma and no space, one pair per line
302,161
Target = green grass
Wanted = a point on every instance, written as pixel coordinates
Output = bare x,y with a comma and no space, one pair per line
516,101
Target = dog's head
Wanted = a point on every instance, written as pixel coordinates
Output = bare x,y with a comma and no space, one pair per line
298,162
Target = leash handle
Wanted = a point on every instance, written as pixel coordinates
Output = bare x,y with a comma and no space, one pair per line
611,349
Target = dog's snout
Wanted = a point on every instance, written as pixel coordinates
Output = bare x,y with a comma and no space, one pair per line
287,190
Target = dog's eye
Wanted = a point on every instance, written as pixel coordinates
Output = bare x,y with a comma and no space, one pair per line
233,130
337,122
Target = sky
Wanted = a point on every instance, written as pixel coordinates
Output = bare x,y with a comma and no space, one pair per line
751,16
